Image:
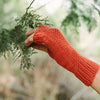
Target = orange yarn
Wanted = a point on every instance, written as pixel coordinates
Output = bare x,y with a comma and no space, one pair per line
65,55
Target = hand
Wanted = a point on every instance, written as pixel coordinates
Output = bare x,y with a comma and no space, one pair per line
52,41
29,41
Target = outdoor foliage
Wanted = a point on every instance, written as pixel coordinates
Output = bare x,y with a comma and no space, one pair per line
12,40
81,12
48,81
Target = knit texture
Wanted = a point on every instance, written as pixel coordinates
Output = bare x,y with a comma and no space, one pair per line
65,55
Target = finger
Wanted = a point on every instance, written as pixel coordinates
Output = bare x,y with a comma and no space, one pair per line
41,47
29,40
30,32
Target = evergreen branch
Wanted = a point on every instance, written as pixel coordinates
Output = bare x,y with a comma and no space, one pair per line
42,6
12,40
97,8
77,16
29,6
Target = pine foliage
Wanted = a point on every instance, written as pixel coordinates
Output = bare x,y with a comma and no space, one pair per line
80,12
12,40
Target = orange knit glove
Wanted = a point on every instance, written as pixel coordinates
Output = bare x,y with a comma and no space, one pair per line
65,55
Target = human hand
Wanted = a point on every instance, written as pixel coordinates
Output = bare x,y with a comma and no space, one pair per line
52,41
29,41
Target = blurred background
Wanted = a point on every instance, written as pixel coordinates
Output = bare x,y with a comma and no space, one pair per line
79,21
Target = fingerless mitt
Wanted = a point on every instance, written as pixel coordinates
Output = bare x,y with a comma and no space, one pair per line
65,55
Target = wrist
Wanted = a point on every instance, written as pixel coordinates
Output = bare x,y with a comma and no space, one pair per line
96,82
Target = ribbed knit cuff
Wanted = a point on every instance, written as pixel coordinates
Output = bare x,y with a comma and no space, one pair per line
86,70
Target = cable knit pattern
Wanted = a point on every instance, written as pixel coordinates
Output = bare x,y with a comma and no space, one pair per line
65,55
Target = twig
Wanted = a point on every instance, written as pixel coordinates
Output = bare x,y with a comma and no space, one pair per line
42,6
29,6
96,7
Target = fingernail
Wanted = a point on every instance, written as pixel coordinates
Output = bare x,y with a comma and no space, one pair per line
25,41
